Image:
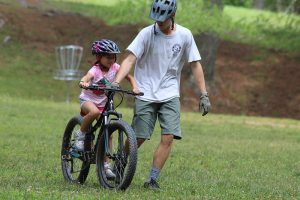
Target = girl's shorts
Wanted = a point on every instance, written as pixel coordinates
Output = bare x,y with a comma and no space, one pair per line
82,101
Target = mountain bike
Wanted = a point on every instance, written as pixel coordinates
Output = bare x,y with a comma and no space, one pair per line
115,143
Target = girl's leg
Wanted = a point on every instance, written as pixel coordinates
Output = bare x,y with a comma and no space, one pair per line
92,113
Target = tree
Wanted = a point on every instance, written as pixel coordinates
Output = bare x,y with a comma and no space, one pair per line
208,44
259,4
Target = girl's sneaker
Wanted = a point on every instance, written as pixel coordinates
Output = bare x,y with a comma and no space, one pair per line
79,141
108,171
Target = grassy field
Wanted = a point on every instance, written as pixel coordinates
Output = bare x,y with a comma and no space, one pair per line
220,157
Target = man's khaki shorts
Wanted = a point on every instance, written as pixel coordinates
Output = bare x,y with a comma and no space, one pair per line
146,113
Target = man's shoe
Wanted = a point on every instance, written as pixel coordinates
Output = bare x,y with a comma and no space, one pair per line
78,141
152,184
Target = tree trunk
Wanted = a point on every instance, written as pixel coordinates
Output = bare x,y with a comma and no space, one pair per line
259,4
279,6
208,44
217,3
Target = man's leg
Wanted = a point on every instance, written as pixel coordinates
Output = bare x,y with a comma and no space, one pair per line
162,151
160,157
169,119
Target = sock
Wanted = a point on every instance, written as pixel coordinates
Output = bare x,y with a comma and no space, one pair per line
80,134
154,173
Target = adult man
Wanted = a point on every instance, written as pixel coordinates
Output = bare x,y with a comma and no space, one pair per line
159,52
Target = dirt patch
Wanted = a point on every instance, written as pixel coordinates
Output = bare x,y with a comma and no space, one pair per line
262,82
249,80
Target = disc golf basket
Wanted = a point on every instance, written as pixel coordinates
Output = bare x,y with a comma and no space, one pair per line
68,60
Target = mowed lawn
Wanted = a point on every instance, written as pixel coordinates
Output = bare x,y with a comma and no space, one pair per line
220,157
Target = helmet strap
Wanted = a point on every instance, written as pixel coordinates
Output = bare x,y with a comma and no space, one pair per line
172,26
172,18
155,32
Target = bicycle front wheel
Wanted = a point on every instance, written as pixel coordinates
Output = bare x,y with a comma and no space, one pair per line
116,154
74,168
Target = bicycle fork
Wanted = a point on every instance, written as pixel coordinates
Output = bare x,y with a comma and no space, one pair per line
106,136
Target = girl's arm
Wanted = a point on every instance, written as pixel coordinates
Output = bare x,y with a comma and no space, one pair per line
85,81
133,83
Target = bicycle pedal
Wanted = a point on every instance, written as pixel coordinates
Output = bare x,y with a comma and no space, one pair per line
75,154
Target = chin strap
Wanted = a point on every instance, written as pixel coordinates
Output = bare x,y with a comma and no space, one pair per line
155,32
172,27
172,18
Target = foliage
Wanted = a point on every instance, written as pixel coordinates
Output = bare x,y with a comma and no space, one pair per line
277,6
238,24
240,3
263,28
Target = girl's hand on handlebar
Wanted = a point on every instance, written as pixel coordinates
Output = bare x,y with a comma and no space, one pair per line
83,84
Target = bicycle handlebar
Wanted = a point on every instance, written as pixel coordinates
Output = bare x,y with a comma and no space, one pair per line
96,87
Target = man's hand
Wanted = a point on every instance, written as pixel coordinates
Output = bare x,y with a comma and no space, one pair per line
115,85
204,105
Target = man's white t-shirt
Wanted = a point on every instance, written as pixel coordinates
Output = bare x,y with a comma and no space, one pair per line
160,59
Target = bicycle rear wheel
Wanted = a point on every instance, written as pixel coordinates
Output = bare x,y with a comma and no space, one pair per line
74,168
122,158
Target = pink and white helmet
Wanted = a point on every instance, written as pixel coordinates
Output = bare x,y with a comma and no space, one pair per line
104,46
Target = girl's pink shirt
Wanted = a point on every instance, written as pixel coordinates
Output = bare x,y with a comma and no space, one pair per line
97,75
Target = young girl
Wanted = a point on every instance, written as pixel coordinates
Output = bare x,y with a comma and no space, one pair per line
92,102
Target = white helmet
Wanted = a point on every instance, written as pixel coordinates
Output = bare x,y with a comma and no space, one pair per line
162,10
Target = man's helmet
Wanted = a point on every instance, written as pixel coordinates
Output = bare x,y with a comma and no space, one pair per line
162,10
104,46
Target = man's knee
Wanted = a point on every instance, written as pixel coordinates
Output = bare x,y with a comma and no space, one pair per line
167,139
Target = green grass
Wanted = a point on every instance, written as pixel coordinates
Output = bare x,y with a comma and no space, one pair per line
250,16
220,157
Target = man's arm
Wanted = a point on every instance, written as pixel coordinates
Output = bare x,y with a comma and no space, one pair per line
198,75
204,105
125,67
133,83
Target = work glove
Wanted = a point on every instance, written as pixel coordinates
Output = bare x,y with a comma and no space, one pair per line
204,105
115,85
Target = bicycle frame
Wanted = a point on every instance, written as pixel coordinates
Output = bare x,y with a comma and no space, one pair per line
102,122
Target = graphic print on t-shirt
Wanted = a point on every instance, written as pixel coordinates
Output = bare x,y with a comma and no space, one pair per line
176,49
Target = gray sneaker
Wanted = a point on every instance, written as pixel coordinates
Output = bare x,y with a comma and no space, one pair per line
108,171
78,141
152,184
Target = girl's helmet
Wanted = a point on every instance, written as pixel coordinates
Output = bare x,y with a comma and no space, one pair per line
162,10
104,46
